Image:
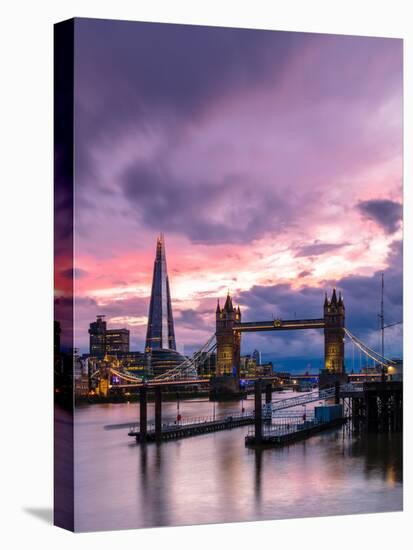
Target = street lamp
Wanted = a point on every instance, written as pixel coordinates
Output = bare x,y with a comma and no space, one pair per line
213,404
178,414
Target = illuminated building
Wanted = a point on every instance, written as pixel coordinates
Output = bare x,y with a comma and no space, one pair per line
104,341
160,361
334,318
207,363
228,342
80,375
97,337
117,341
266,369
256,354
248,366
160,347
160,332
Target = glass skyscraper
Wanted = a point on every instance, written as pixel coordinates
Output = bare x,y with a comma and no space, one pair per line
160,333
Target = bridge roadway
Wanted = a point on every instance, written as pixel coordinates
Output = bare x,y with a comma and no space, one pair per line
279,324
186,382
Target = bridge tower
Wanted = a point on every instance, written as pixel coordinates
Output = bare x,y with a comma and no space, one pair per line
334,323
228,341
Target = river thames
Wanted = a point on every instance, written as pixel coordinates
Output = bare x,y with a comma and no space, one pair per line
213,478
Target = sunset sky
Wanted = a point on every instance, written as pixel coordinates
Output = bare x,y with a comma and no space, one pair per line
272,161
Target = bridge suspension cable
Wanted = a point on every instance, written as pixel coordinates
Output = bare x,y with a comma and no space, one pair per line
363,348
189,367
126,377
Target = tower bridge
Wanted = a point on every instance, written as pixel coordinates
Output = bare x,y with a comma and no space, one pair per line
165,366
226,344
229,327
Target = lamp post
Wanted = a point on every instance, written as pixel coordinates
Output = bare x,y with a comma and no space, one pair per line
178,414
213,406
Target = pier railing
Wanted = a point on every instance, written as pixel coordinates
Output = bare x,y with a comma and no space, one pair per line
351,387
310,397
287,424
195,421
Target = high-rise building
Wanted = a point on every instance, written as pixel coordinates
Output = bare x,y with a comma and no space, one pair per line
256,354
117,341
104,341
160,333
97,337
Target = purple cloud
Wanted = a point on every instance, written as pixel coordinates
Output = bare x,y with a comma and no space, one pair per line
318,248
386,213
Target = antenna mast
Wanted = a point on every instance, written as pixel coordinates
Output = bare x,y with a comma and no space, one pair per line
382,314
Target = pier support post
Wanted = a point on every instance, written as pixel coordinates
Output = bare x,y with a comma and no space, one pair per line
268,393
258,412
158,413
143,413
337,392
371,412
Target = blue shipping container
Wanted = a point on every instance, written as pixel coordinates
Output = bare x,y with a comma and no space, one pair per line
327,413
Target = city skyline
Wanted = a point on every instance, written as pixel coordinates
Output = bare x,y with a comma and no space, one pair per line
277,177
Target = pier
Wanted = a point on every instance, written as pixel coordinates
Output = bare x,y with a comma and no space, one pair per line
160,431
280,435
374,406
190,427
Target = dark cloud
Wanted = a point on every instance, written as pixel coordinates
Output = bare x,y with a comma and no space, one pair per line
318,248
74,273
176,68
124,67
191,318
267,302
159,198
130,74
304,273
386,213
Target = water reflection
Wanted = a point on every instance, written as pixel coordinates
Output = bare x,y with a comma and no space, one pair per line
213,477
382,455
258,467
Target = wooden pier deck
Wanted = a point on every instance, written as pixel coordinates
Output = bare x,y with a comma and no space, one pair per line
193,427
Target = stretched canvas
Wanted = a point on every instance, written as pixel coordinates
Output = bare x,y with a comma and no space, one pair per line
228,274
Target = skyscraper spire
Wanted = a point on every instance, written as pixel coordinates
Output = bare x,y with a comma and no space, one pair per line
160,333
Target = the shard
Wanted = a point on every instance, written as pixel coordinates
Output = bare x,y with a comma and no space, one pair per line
160,333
